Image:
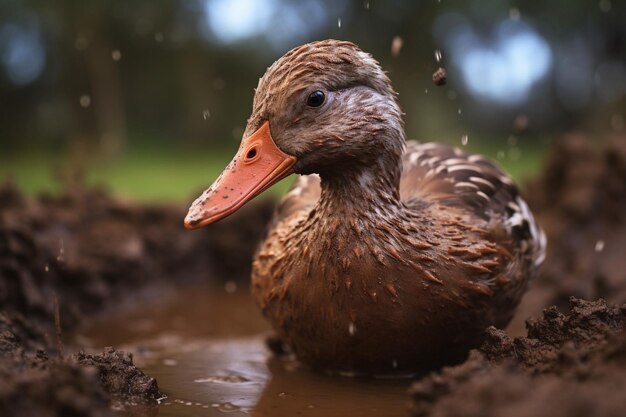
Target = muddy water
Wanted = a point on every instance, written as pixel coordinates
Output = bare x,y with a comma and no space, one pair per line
205,347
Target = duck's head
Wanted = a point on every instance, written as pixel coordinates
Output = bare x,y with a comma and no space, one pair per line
325,107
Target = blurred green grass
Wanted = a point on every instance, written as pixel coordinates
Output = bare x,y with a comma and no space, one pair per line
151,173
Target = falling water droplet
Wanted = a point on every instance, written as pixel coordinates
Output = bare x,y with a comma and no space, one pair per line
230,287
464,140
367,5
61,251
511,141
599,246
437,55
206,114
158,37
81,43
46,268
85,101
426,91
351,329
605,5
339,23
514,14
617,122
515,153
459,111
116,55
396,46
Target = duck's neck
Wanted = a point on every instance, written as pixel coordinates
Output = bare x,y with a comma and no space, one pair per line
367,191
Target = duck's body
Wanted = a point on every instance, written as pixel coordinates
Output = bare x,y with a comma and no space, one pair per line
397,259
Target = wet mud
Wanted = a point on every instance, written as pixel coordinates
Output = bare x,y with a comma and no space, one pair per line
107,259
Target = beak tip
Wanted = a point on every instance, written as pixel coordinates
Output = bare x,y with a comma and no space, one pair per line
191,222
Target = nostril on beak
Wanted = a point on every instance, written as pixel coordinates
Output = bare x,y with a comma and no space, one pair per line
251,153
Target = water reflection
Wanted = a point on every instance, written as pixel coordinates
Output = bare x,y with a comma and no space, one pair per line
206,348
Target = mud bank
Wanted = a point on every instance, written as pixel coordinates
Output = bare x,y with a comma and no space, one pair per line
97,254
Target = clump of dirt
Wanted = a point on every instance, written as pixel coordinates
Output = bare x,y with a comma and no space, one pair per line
33,384
558,341
565,364
119,377
94,252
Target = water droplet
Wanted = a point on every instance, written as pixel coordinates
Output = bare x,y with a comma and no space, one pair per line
464,140
617,122
520,124
514,14
85,101
81,43
367,5
514,154
351,329
605,5
500,155
170,362
158,36
228,407
599,246
206,114
459,111
219,84
394,364
339,23
61,251
426,91
437,55
511,141
282,394
116,55
396,46
230,287
46,268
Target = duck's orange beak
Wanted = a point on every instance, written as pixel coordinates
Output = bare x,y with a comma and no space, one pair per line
258,165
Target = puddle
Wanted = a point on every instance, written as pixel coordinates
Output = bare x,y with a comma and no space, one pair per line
206,348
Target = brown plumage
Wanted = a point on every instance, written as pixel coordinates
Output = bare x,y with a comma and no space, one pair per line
393,258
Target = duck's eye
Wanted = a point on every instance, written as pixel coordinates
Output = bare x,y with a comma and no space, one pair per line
316,98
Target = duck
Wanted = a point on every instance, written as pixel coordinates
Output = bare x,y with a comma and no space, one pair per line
386,256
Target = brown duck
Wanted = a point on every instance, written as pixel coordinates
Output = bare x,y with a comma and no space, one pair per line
386,256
